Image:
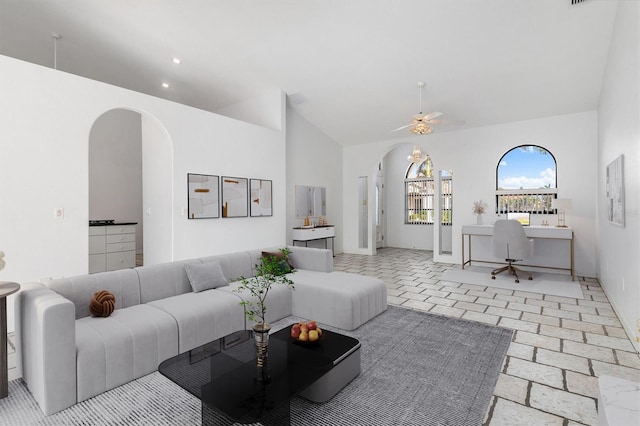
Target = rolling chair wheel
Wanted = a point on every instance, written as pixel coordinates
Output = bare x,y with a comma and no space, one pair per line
493,277
517,281
530,278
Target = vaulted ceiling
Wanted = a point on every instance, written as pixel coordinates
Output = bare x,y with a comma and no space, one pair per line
350,67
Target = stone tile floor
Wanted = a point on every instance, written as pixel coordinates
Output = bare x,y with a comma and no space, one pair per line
560,347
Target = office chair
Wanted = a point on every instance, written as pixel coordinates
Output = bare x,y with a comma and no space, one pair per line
511,244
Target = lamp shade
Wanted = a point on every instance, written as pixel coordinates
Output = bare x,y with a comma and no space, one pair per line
561,203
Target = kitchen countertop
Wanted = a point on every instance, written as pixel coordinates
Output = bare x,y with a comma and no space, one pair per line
113,224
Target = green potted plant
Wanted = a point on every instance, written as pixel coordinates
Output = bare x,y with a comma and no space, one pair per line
272,269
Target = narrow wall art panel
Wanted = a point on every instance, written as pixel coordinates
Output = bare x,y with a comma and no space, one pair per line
615,192
203,196
261,197
235,197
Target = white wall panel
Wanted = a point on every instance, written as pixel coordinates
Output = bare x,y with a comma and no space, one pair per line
619,134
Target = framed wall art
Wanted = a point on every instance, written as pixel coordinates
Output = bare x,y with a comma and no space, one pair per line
615,192
260,199
235,197
203,196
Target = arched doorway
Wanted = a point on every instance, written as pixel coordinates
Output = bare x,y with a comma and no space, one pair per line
130,180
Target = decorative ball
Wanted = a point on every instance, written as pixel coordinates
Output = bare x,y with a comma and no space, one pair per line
102,304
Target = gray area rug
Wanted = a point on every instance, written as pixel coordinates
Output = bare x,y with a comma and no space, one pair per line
417,369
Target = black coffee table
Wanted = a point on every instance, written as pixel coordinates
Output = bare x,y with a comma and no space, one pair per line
223,375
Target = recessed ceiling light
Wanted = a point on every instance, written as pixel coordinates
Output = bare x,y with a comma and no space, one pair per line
165,85
177,61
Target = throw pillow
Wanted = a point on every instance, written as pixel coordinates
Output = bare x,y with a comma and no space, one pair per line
205,276
285,263
102,304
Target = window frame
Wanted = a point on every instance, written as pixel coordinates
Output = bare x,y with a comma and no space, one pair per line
428,194
525,198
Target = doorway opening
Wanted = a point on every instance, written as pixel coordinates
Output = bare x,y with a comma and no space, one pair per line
130,182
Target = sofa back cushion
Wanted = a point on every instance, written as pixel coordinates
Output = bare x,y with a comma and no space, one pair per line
123,284
234,265
312,259
163,280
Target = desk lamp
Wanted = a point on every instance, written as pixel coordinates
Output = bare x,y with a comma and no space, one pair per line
561,204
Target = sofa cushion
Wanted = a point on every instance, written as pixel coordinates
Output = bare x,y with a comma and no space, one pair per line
163,280
205,276
311,259
234,265
123,284
129,344
203,317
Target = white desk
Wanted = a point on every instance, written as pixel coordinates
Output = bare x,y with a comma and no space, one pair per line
553,247
324,232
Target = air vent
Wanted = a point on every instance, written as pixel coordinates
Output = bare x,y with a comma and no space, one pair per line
577,1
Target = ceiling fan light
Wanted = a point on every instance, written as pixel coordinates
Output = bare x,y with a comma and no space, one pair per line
416,155
420,128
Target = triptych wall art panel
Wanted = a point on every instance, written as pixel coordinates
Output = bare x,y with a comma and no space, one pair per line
203,202
261,194
234,197
212,196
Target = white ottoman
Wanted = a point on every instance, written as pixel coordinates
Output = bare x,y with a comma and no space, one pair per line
339,299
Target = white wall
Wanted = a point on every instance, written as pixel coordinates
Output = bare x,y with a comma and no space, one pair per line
257,110
619,134
313,159
115,169
472,155
158,192
45,123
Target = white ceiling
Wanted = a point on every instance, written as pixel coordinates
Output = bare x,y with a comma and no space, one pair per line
356,62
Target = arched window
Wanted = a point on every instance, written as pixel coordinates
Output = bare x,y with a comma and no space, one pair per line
420,187
526,180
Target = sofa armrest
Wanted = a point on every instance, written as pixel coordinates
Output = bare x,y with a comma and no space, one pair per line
46,346
312,259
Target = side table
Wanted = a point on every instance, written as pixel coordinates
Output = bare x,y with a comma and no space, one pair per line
6,288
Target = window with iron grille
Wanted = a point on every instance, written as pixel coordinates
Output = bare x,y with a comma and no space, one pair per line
526,181
420,192
446,200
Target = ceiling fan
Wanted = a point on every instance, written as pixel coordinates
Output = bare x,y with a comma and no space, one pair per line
421,123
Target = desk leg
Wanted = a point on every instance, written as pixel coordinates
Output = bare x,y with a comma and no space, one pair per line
464,262
462,251
4,374
572,277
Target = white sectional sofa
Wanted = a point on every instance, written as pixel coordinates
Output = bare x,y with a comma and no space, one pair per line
66,356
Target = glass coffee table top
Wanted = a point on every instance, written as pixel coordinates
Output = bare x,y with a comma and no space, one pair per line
223,373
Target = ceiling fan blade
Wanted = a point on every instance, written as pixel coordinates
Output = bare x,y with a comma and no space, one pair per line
403,127
432,115
445,121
